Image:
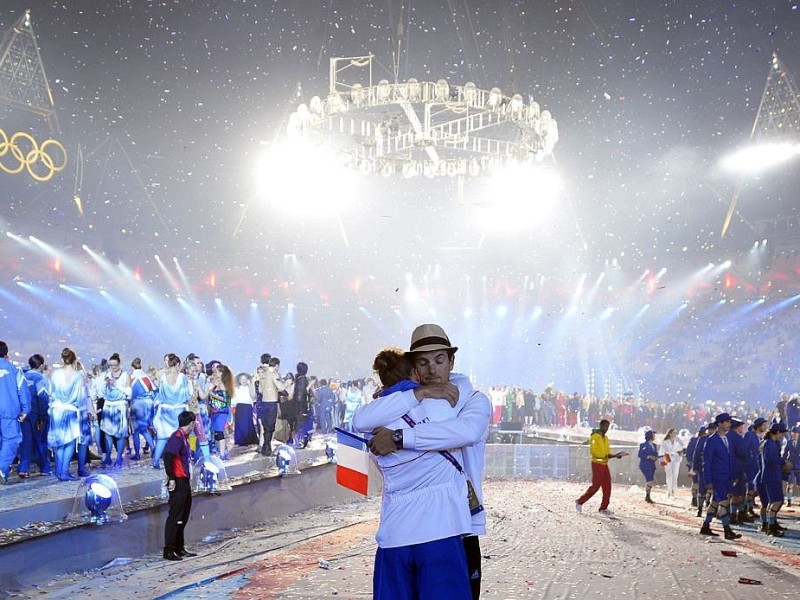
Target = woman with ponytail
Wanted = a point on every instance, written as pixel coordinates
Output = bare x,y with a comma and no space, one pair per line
69,395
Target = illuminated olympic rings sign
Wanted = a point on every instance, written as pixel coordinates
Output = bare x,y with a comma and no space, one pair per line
21,151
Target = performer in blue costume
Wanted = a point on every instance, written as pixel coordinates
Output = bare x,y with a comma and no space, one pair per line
87,416
68,397
752,440
115,409
220,405
770,477
792,454
143,394
717,472
14,408
648,455
738,490
174,393
697,465
197,405
34,428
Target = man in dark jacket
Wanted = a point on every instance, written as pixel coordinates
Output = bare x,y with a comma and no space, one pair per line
176,464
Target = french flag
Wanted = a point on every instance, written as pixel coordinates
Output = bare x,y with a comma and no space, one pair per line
352,458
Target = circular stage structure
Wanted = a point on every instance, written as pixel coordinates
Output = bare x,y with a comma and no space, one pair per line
421,128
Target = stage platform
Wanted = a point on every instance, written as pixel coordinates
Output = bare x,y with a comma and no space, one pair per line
36,540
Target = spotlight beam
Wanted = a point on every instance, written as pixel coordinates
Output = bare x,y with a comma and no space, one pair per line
184,279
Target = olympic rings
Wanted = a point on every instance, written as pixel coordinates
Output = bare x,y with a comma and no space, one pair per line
30,154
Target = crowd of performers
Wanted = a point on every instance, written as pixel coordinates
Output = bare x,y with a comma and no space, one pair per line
731,464
557,408
103,411
107,412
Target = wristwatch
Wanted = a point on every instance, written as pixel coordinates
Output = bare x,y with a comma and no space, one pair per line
397,438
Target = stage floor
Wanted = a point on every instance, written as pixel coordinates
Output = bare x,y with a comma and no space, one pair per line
537,547
40,503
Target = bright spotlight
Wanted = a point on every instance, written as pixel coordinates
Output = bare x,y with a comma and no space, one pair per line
760,157
18,239
304,177
97,500
522,195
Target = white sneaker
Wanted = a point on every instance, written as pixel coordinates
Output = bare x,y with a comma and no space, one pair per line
578,507
606,512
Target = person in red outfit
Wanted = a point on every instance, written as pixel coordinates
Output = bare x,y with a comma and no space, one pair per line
601,477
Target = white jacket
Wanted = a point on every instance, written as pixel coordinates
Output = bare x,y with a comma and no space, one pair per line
467,428
672,447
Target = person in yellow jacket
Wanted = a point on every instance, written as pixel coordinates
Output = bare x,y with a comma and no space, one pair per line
600,450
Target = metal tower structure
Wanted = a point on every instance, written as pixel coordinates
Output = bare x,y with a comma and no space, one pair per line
777,119
779,111
23,82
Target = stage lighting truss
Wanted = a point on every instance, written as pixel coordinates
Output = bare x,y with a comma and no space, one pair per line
421,128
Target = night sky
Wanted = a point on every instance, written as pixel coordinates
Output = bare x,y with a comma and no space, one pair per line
172,104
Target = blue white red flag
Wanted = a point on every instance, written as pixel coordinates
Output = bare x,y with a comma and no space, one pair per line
352,461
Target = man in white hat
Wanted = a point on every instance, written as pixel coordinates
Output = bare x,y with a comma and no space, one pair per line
433,358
